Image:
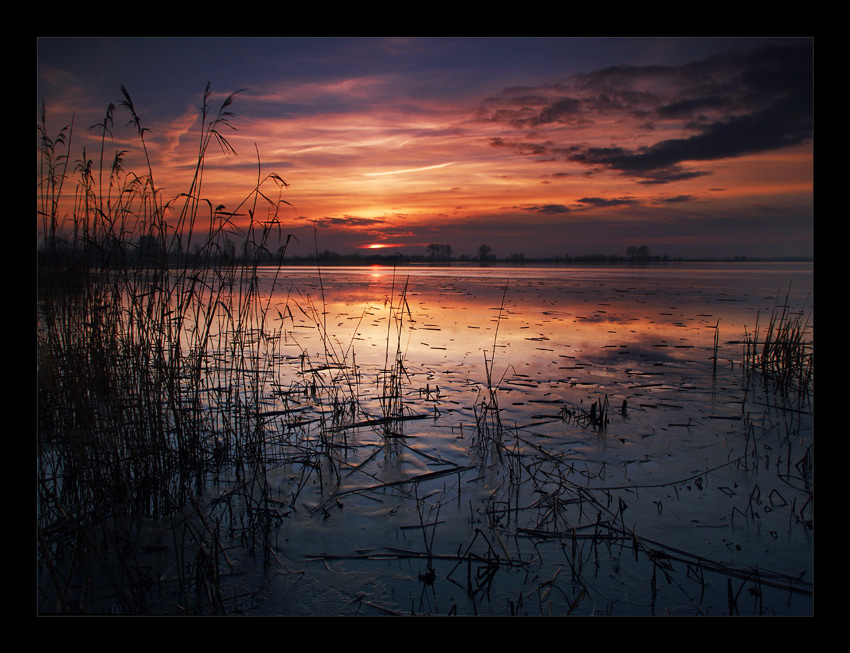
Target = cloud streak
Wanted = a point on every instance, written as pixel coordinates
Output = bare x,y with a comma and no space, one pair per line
408,170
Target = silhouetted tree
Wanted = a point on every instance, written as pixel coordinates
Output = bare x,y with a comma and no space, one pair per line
484,253
439,252
639,253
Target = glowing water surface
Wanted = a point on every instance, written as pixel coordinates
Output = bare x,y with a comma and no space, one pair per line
689,459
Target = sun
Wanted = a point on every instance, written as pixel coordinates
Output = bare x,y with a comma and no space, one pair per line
397,246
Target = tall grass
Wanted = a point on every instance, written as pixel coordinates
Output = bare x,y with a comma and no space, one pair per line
780,353
393,375
148,319
488,414
165,401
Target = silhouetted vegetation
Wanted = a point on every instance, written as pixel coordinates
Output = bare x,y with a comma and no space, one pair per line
439,252
148,384
140,254
485,253
146,250
166,405
638,253
780,354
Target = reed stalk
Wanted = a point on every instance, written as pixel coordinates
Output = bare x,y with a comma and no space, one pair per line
165,402
394,374
488,415
781,353
139,337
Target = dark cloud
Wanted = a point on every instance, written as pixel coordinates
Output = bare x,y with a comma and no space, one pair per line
728,106
667,175
676,200
547,209
351,221
691,106
599,202
770,129
565,109
604,202
528,148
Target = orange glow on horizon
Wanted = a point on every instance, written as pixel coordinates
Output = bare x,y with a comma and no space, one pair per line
389,245
373,163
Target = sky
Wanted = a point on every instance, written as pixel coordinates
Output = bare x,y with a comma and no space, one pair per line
537,146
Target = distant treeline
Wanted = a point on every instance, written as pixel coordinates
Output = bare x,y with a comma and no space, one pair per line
147,251
514,259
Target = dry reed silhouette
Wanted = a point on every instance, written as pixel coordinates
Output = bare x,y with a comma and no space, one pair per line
165,401
139,335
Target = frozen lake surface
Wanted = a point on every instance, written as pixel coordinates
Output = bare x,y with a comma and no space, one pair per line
563,442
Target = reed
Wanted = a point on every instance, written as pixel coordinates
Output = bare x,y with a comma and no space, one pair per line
780,354
151,357
394,374
488,415
166,406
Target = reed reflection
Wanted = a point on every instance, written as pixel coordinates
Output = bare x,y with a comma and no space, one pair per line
543,321
546,335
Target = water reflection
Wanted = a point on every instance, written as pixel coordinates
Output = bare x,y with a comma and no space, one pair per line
677,454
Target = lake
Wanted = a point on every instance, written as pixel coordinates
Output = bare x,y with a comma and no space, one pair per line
534,441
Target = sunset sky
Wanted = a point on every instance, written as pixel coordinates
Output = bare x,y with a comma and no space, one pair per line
540,146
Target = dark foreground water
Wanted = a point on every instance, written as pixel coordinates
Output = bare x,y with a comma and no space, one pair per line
568,443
